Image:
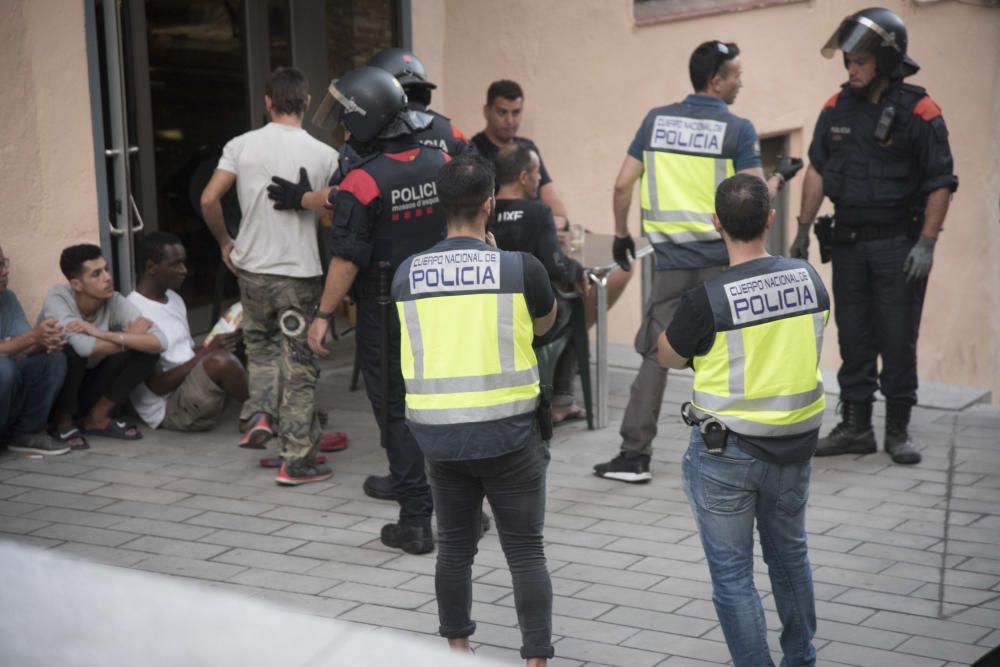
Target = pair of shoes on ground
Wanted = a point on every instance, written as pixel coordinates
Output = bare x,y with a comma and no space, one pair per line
855,434
261,428
381,488
41,444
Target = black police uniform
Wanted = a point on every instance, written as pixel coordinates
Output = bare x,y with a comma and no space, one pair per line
441,134
879,190
387,209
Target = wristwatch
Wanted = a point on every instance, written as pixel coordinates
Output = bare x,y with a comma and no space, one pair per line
323,315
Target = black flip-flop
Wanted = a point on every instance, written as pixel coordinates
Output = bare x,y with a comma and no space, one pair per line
65,436
115,429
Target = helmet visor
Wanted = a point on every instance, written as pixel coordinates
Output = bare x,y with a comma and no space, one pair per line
859,33
333,107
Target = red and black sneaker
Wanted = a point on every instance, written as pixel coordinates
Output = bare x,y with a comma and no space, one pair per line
275,461
293,473
333,442
259,430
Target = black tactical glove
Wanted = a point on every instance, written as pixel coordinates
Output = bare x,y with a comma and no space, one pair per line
788,167
800,246
287,195
623,251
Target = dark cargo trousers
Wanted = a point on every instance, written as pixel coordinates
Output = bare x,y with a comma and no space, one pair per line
646,395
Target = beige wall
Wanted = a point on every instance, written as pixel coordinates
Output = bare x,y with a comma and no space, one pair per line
590,75
47,181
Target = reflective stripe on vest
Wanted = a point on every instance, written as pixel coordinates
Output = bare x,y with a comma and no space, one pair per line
467,358
777,400
678,196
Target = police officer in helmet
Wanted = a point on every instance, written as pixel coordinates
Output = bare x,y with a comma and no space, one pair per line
880,153
385,209
410,72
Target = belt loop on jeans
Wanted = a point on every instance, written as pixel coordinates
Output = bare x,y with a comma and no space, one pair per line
713,431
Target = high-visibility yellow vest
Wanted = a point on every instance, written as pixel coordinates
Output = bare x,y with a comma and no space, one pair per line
761,376
688,148
465,338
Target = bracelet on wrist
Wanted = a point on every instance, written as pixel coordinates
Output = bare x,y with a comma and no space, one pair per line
323,315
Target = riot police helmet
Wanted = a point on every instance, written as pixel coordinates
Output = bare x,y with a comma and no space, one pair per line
878,31
366,100
404,65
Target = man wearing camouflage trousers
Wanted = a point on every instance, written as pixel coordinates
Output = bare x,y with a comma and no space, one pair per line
276,260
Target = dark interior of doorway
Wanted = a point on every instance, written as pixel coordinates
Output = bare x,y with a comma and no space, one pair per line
199,57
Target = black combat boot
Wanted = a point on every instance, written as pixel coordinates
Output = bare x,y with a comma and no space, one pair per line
853,435
897,439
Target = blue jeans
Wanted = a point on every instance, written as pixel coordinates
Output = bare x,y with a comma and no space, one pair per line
28,388
515,486
727,493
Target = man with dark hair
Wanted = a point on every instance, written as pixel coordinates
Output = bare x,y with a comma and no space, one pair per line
679,155
880,153
504,104
112,348
753,335
472,402
188,390
522,223
276,261
32,369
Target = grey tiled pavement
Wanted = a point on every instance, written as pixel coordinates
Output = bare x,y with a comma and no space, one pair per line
906,559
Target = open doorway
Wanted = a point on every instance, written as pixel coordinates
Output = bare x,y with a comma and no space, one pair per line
177,79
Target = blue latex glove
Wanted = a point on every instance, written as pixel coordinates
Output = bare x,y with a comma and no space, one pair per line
918,263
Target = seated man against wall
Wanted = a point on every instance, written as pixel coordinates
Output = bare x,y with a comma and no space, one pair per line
32,370
112,348
188,389
522,223
504,104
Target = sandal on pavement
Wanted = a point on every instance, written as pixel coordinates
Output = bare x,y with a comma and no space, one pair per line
73,438
117,430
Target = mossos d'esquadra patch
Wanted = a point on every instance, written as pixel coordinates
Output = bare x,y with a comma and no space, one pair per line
771,295
455,271
690,135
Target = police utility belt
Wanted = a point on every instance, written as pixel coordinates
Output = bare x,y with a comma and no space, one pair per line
713,431
829,233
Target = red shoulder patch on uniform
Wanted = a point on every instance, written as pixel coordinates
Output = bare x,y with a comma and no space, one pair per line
458,134
447,158
404,156
832,102
927,109
360,183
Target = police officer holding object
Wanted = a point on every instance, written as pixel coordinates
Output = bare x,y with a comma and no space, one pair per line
385,209
753,335
880,153
469,313
681,153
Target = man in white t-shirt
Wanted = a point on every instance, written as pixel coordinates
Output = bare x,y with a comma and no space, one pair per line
276,260
188,390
